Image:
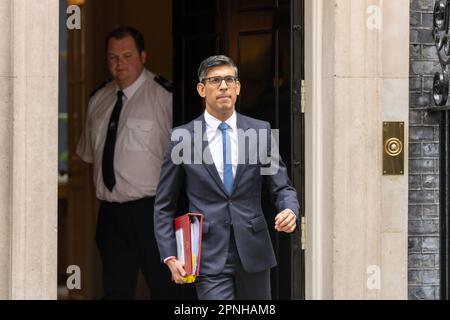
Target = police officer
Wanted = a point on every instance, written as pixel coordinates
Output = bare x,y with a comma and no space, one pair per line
128,126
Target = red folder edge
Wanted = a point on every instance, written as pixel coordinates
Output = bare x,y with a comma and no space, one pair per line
183,222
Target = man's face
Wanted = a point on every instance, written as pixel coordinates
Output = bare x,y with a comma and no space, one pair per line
125,63
220,99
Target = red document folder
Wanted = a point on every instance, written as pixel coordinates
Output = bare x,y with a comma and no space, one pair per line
188,231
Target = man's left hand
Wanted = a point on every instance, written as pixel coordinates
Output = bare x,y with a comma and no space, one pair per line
286,221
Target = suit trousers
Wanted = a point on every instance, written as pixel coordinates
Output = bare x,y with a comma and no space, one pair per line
126,241
234,283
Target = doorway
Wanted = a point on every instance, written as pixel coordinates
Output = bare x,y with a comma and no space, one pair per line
263,37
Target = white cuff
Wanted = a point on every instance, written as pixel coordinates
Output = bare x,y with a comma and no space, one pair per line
168,258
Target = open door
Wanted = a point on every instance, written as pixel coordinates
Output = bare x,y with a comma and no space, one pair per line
83,70
265,39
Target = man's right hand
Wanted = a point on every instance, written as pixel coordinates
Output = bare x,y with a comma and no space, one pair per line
177,270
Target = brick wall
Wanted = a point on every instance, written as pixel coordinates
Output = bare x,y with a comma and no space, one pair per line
423,258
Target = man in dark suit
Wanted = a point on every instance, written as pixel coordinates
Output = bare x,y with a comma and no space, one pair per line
213,157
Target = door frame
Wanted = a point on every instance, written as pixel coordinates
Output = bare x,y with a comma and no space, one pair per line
297,161
318,253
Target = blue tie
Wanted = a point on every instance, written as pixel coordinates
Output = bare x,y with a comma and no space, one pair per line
227,168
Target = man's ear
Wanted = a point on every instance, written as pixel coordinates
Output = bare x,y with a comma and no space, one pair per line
201,90
143,57
238,87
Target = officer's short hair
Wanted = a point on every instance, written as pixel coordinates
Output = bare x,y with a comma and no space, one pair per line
215,61
124,31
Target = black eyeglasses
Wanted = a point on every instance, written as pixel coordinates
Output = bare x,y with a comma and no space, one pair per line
217,81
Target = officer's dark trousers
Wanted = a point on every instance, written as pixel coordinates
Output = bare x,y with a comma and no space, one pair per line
126,242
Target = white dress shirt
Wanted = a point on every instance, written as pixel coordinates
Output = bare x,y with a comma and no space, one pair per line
214,135
142,136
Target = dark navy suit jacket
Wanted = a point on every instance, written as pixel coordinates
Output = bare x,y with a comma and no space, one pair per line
207,195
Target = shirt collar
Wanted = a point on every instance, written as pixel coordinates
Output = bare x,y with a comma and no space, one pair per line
131,90
214,123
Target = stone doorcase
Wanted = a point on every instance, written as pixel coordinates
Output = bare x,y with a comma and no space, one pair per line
357,74
28,148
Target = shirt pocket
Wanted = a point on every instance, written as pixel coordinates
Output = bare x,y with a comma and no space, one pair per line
138,135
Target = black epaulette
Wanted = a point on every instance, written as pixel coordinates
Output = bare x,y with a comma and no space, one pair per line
166,84
99,87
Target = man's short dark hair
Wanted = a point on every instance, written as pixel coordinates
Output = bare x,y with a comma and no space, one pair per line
214,61
124,31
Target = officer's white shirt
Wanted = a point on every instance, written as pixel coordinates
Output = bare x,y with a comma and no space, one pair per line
142,136
215,143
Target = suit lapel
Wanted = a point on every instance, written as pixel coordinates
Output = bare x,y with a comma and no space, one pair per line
204,152
241,124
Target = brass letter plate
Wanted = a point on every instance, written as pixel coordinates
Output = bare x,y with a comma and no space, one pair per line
393,148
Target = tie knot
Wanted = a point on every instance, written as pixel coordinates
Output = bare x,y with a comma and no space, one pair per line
119,94
224,126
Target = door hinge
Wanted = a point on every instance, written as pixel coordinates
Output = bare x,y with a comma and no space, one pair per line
303,233
303,96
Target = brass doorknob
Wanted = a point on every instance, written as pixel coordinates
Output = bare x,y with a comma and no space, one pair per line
393,147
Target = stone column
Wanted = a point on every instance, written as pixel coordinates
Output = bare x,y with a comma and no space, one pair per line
28,142
357,78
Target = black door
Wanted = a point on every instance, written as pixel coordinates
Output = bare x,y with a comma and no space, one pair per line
265,39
